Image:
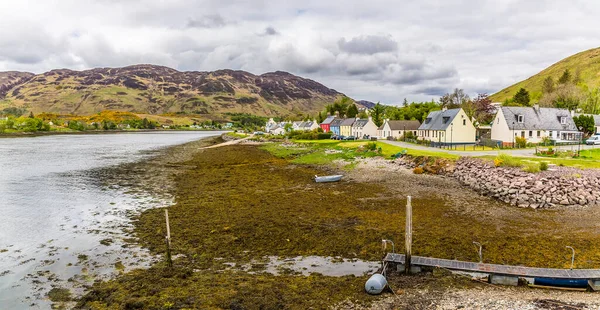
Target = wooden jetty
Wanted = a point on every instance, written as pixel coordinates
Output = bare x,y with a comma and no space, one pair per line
502,271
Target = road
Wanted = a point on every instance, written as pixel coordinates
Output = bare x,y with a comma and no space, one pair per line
528,152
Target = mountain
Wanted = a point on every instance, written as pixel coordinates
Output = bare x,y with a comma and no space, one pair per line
366,104
156,90
585,65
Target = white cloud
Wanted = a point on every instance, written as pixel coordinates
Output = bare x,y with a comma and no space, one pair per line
377,50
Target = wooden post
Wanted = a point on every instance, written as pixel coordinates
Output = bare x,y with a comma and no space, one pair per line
169,261
408,235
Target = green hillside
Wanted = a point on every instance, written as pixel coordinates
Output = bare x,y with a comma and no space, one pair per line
584,65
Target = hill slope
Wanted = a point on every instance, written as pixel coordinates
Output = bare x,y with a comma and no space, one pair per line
156,90
586,63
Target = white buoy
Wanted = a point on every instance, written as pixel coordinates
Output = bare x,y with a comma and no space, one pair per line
375,284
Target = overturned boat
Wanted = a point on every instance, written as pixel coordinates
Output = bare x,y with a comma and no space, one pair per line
328,178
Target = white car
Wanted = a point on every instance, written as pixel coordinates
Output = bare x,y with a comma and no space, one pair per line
593,140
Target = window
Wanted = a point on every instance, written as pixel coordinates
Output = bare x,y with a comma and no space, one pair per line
539,133
520,119
427,120
464,122
446,119
497,120
522,134
563,120
530,134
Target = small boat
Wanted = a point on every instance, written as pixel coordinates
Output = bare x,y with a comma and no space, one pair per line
571,283
328,178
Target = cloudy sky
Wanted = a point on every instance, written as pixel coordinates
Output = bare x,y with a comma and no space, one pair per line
375,50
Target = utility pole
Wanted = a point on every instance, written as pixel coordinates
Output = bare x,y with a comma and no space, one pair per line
408,235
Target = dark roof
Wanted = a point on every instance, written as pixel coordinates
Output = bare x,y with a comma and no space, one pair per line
439,120
538,118
360,123
336,122
401,125
328,120
348,122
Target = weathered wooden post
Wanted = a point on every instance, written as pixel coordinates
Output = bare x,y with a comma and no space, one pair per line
408,235
169,261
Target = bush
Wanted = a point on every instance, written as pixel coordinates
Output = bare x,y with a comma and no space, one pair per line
532,168
418,170
521,142
371,146
324,136
543,166
504,160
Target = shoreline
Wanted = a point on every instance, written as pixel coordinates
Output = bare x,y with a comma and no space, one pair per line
379,181
90,132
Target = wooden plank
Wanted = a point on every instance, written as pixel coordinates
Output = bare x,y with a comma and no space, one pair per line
498,269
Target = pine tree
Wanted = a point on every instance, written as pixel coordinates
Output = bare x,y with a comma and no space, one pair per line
565,77
522,97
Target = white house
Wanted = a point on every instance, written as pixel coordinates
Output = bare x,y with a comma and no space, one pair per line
448,126
278,130
363,127
308,125
533,123
270,125
397,129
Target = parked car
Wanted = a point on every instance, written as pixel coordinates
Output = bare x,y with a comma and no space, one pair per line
593,140
350,138
334,137
341,138
259,133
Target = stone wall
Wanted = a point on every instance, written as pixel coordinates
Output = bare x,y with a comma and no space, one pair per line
562,187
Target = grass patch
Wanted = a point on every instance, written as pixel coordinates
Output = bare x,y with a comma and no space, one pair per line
237,135
59,295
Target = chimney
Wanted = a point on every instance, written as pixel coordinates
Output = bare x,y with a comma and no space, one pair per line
370,118
337,114
536,107
445,108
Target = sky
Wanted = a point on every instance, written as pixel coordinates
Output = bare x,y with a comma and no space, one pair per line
373,50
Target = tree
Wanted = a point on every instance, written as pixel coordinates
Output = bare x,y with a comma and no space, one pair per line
586,123
480,109
340,106
320,117
352,111
405,102
522,97
288,127
548,85
455,99
566,96
377,112
565,77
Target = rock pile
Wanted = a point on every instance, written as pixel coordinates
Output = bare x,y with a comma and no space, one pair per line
549,189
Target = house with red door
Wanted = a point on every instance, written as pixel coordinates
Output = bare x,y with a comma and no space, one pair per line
325,125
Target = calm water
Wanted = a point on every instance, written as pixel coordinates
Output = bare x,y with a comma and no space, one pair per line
53,214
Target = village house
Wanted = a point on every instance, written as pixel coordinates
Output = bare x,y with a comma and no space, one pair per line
334,127
326,124
296,125
346,127
448,127
397,129
364,128
278,129
597,123
270,125
308,125
534,124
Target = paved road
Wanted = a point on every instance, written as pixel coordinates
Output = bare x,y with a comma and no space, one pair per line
530,152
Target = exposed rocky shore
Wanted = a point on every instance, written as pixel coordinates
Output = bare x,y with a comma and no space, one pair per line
558,187
561,187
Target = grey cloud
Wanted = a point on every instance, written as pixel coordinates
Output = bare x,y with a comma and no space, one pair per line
433,90
270,31
207,21
370,44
